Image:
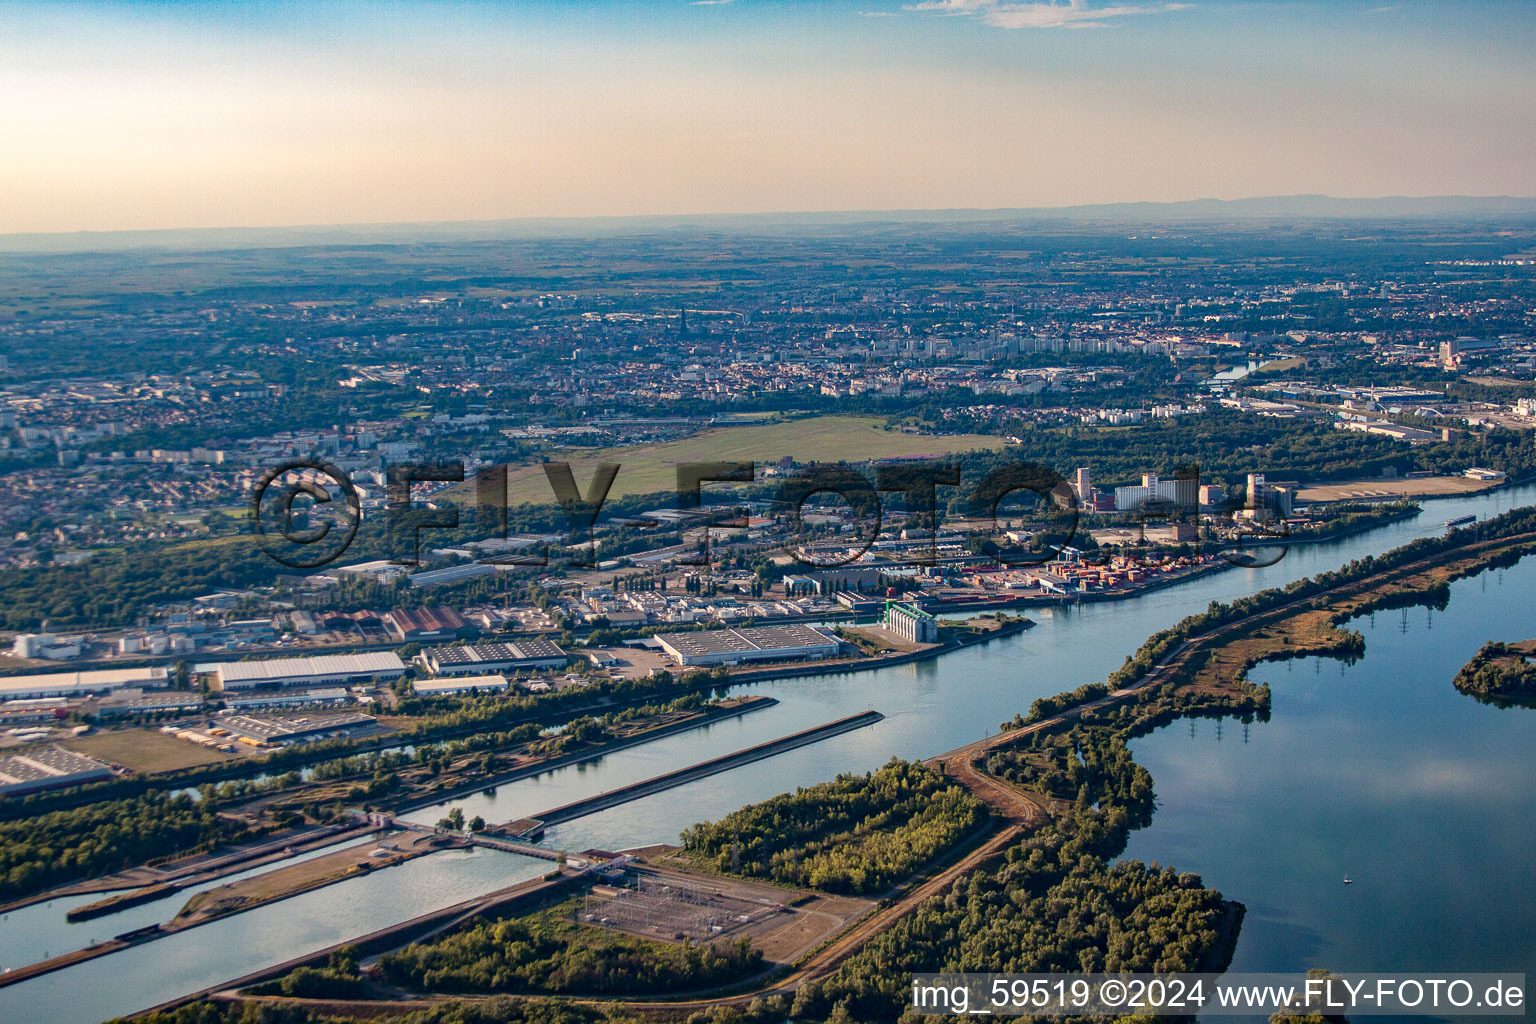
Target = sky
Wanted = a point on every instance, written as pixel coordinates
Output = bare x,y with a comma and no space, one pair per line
117,115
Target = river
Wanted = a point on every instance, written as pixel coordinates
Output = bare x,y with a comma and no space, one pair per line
930,707
1422,796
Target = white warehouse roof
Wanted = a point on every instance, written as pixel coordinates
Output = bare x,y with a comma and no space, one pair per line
68,684
459,684
275,670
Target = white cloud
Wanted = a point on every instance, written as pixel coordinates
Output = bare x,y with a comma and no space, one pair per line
1044,13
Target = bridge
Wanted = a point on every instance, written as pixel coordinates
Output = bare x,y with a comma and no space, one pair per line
489,841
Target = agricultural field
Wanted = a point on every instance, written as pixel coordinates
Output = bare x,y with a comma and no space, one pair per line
652,468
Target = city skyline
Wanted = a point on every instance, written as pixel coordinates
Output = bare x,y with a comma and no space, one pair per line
126,116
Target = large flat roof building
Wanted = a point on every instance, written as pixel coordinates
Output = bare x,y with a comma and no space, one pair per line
80,684
461,684
826,582
451,574
279,729
244,700
755,643
48,768
134,702
322,670
486,659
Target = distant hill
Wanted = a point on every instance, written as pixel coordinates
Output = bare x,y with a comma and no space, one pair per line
1311,206
1268,207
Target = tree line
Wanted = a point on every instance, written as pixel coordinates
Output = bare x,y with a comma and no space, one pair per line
50,849
855,834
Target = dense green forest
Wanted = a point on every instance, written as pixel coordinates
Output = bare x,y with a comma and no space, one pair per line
546,952
49,849
1056,902
1078,765
855,834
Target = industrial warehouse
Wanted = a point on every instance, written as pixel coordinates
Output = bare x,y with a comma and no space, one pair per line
753,643
323,670
424,624
80,684
461,684
276,730
485,659
47,768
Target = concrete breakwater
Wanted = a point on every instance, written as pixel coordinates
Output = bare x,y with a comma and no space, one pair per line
706,716
704,769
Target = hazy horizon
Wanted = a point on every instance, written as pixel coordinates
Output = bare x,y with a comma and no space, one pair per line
1252,208
125,115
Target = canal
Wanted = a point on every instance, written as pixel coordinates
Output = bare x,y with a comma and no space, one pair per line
930,707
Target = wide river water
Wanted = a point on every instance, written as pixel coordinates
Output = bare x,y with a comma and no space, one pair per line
1240,815
1379,771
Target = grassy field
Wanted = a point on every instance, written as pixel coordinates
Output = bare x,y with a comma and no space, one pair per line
1280,366
652,468
145,750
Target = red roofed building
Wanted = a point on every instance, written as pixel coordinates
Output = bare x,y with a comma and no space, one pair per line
424,624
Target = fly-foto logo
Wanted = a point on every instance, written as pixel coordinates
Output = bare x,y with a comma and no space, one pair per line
306,513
